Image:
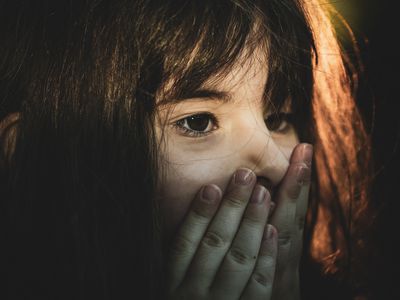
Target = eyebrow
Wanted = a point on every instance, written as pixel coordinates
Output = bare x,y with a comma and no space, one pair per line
204,94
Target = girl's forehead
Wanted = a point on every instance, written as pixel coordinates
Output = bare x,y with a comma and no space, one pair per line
247,70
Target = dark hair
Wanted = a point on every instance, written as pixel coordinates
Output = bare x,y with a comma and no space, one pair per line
78,191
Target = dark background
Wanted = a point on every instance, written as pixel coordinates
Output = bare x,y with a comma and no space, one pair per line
376,27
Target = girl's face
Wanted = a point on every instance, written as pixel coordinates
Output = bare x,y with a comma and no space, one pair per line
221,128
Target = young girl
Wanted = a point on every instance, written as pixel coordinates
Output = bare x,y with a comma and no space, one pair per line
180,149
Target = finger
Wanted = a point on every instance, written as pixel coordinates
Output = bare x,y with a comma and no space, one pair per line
286,215
302,199
292,203
304,180
239,261
301,215
297,178
191,232
261,281
219,235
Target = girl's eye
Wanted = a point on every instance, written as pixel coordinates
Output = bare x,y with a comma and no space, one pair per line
279,122
197,125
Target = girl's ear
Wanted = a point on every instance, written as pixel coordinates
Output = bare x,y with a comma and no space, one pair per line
8,133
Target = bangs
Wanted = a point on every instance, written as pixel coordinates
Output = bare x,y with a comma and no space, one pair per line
206,38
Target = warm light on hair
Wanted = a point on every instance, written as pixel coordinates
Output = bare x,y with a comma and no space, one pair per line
342,151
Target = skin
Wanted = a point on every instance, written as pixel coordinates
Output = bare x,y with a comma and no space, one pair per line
223,248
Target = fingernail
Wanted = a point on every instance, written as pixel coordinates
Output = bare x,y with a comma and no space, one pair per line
210,194
258,195
307,153
243,176
303,174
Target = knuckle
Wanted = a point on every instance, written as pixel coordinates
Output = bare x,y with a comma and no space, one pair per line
236,199
284,241
181,245
239,256
264,276
255,219
299,164
293,191
214,240
202,214
297,179
269,260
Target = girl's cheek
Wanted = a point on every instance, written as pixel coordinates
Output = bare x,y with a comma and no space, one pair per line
180,189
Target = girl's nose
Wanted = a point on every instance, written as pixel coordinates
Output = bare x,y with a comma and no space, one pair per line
267,156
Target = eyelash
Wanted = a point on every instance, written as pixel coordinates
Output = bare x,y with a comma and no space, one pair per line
283,116
179,125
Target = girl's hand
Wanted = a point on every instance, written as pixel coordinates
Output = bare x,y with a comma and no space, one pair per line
289,218
225,249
